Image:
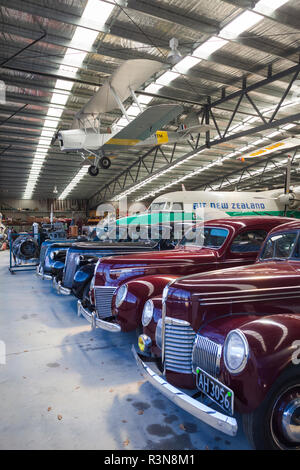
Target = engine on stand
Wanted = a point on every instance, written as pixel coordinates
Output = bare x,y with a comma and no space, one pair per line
25,248
52,231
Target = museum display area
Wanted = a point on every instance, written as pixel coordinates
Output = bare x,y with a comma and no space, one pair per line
150,227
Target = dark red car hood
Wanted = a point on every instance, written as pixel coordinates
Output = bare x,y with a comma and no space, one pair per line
181,255
258,289
268,275
179,261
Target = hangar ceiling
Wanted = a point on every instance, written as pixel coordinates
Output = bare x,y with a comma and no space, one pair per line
239,71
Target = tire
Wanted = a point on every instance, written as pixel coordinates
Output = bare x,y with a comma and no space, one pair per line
93,170
105,163
264,427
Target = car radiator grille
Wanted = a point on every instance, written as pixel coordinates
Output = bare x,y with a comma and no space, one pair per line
178,346
103,298
69,269
42,254
206,355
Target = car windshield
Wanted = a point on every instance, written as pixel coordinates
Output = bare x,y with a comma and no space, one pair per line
210,237
280,246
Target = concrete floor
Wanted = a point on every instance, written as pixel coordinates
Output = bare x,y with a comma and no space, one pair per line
67,387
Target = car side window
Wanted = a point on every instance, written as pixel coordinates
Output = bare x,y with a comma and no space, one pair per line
281,246
248,241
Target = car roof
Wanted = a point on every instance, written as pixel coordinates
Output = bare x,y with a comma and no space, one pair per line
249,221
294,224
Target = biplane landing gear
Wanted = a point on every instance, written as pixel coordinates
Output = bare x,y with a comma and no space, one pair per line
93,170
105,163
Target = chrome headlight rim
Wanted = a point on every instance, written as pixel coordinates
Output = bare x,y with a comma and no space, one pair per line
121,295
245,355
147,320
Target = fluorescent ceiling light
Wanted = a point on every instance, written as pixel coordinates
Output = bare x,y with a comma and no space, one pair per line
274,134
167,78
85,37
59,98
240,24
50,123
97,9
209,47
143,99
133,110
64,85
270,5
55,112
153,88
185,64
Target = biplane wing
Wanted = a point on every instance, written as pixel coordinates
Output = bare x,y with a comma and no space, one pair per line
129,76
144,125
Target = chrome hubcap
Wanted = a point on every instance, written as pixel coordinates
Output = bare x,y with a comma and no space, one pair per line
285,419
291,421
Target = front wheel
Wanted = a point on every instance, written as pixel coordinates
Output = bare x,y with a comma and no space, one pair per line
105,163
275,424
93,170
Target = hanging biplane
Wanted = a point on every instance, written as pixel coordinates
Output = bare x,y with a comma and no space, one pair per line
94,142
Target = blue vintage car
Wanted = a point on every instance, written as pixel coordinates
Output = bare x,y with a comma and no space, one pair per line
50,252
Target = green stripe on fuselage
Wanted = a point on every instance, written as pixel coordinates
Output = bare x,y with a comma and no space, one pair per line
166,217
295,214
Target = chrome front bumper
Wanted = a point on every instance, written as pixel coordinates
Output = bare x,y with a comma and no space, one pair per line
215,419
92,318
40,273
61,289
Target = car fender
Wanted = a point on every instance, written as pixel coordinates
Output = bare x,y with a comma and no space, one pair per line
129,313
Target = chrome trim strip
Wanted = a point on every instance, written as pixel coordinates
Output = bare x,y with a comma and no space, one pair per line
227,292
215,419
95,322
176,322
250,299
61,289
41,274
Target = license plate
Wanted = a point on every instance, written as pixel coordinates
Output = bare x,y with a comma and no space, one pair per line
215,390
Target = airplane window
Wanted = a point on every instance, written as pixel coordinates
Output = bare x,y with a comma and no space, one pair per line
157,206
249,241
280,246
177,206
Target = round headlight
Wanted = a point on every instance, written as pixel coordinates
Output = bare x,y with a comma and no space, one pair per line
236,351
147,313
52,254
121,294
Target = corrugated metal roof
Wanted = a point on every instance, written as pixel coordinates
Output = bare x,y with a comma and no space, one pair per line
141,30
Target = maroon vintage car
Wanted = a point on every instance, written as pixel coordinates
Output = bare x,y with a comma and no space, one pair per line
234,336
122,284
